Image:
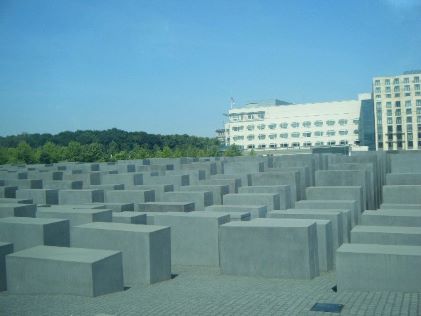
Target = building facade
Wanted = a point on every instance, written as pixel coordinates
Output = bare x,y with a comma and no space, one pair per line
397,102
282,125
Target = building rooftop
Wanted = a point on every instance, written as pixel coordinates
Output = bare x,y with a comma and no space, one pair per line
264,103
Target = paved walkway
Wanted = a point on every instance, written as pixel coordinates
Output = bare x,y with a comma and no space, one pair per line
204,291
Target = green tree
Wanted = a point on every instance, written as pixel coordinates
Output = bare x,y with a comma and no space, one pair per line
93,152
24,153
74,151
232,151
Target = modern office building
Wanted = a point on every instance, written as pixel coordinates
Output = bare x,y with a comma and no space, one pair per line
282,125
398,111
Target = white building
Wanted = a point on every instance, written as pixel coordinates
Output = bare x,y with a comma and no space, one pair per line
398,111
281,124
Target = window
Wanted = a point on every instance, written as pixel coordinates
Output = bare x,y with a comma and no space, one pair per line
396,81
398,120
307,144
295,144
388,105
261,115
318,143
398,104
330,133
295,124
343,142
418,111
387,82
355,121
234,117
387,89
250,127
388,95
416,79
250,146
318,133
250,137
283,145
250,116
378,90
319,123
307,124
261,146
417,87
343,122
397,112
408,111
261,136
272,145
407,88
283,125
418,119
409,128
389,112
331,143
343,132
408,104
307,134
405,80
236,138
295,135
396,89
418,102
378,96
356,132
389,120
261,126
272,126
330,122
410,136
272,136
377,82
283,135
378,106
397,95
237,128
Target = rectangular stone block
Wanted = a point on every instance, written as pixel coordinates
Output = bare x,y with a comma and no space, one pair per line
80,196
129,196
59,270
129,218
254,210
337,193
146,248
218,191
118,207
176,180
224,179
284,191
270,200
25,183
270,248
159,189
201,199
386,235
128,179
334,216
165,207
17,210
106,187
402,194
390,217
5,249
27,232
39,196
194,236
403,179
373,267
291,178
62,184
397,206
8,192
11,200
76,216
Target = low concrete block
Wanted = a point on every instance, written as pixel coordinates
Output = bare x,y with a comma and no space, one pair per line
39,196
386,235
378,267
402,194
194,236
218,191
129,218
63,184
76,216
26,232
284,191
80,196
165,207
129,196
254,210
270,200
58,270
17,210
146,248
8,192
274,248
201,199
391,217
5,249
159,189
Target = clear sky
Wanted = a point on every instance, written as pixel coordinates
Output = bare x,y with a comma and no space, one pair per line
171,66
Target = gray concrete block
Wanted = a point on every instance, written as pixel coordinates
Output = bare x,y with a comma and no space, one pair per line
39,196
25,183
337,193
62,184
194,236
333,216
284,191
11,200
376,267
59,270
129,196
223,179
270,248
291,178
8,192
201,199
386,235
146,248
165,207
76,216
159,189
106,187
27,232
403,179
270,200
129,218
254,210
398,206
80,196
5,249
17,210
391,217
402,194
218,191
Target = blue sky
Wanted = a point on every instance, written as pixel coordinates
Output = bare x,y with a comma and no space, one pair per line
171,66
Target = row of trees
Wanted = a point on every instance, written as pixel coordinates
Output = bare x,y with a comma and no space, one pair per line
38,148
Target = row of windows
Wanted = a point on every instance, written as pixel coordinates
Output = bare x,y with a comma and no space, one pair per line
298,144
248,116
397,104
396,81
397,95
398,89
295,135
341,122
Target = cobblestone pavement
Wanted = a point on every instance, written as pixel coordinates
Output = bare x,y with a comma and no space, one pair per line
204,291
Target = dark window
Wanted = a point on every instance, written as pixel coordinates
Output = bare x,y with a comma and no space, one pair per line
410,144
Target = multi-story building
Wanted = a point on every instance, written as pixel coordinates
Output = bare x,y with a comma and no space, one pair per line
280,124
398,111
